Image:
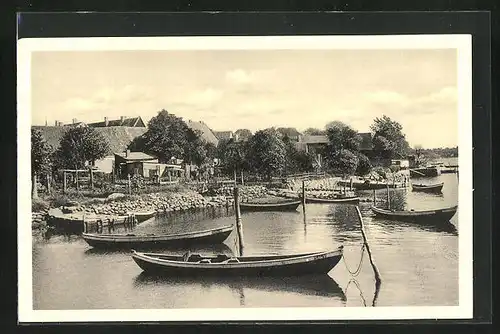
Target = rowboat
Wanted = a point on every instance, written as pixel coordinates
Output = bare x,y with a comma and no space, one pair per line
216,235
278,206
338,200
143,216
421,216
430,171
223,265
429,188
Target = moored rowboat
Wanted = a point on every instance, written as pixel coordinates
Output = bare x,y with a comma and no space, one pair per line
339,200
143,216
211,236
429,188
423,216
278,206
222,265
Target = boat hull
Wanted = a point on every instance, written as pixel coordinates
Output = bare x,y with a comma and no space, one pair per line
423,217
252,207
436,189
143,216
426,172
349,200
150,242
314,265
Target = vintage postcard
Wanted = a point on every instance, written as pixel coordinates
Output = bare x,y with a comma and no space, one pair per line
245,178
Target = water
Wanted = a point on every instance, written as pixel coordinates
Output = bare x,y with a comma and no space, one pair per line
418,265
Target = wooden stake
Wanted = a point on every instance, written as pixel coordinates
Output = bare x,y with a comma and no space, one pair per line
374,198
65,183
91,172
242,181
234,176
239,227
303,193
378,278
350,184
388,198
76,179
129,185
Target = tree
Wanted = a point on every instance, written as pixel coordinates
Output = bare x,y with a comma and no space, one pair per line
343,162
388,137
232,155
79,146
267,153
314,132
342,137
364,166
169,136
40,157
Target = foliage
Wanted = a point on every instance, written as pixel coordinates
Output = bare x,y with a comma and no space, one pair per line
232,155
38,205
81,145
296,161
243,134
314,132
40,153
388,137
342,137
364,166
343,162
266,153
169,136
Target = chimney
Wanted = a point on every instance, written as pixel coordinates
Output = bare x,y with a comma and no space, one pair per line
106,122
127,153
74,120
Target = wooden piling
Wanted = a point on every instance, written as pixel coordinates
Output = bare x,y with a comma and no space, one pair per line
65,183
129,184
350,184
242,181
388,198
158,174
374,197
91,172
239,226
303,193
76,179
234,176
378,278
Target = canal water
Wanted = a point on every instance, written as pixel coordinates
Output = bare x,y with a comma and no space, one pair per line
418,265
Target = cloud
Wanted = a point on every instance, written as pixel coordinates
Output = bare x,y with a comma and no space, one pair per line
244,77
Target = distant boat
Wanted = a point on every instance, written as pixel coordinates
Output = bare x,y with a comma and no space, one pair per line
223,265
429,188
143,216
421,216
211,236
337,200
278,206
430,171
369,184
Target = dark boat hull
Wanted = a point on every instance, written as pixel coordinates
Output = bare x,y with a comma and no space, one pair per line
317,266
141,217
253,207
215,238
426,172
436,189
426,217
351,200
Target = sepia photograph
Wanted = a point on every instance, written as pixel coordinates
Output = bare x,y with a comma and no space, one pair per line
245,178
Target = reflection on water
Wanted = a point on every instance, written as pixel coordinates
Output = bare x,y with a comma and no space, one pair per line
418,264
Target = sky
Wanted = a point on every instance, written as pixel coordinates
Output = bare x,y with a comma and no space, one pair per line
254,89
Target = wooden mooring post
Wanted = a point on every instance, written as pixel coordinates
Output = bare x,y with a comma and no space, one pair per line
239,226
91,176
388,197
129,184
76,179
350,184
378,277
303,194
65,183
242,181
374,197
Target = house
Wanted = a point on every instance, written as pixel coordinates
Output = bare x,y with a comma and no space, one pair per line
312,143
132,163
135,122
291,133
225,135
205,131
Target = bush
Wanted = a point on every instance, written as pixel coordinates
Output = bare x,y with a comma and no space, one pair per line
38,204
383,172
364,166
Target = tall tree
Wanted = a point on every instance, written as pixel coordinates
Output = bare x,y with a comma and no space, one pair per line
314,132
232,155
40,157
267,153
342,137
388,138
81,145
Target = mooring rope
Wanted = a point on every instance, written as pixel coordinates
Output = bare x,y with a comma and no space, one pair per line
358,270
352,280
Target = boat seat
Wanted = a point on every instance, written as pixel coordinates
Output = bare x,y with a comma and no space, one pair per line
192,257
130,235
220,258
205,261
232,260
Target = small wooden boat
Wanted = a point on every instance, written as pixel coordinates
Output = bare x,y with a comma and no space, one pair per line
211,236
143,216
278,206
338,200
222,265
429,188
422,216
430,171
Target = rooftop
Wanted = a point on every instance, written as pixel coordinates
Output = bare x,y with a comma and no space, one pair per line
136,156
